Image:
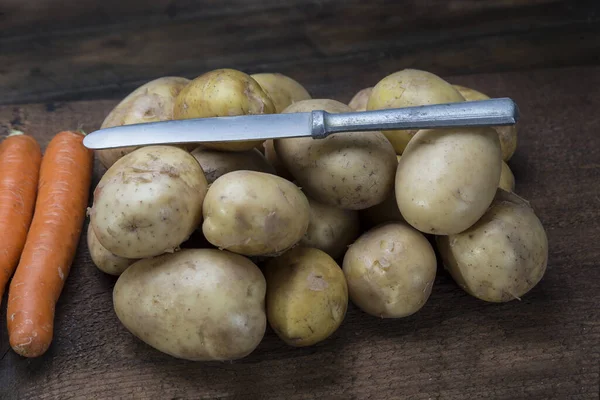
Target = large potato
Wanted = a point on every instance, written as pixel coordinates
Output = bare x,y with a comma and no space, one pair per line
221,93
215,163
106,261
447,178
408,88
507,179
507,133
330,229
307,296
503,256
254,213
196,304
390,270
150,102
282,89
148,202
360,99
352,170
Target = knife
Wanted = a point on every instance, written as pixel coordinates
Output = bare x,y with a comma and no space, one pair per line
317,124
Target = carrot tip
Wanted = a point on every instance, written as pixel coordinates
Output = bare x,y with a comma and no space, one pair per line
15,132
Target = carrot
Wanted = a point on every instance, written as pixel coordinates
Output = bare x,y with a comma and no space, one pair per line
65,179
20,158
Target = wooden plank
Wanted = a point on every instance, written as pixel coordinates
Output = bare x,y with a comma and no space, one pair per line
96,54
545,346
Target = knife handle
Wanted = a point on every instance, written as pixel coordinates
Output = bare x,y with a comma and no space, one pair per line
493,112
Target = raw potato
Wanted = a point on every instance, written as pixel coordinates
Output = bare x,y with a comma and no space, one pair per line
408,88
148,202
282,89
503,256
507,133
221,93
307,296
254,213
196,304
352,171
331,229
447,178
106,261
390,271
507,179
216,163
275,161
150,102
360,99
387,211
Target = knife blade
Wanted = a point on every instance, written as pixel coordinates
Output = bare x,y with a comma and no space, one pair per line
317,124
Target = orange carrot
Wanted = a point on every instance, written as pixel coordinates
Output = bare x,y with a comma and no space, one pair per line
65,179
20,158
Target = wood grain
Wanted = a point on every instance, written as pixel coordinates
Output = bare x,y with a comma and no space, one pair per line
64,50
546,346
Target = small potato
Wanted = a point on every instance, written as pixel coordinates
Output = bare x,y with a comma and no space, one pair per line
221,93
150,102
507,179
390,270
215,163
330,229
106,261
307,296
254,213
275,161
503,256
507,133
148,202
282,89
447,178
360,99
196,304
387,211
352,170
408,88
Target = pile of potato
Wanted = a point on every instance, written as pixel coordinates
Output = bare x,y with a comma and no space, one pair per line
297,228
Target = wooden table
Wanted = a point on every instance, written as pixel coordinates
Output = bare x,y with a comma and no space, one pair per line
456,347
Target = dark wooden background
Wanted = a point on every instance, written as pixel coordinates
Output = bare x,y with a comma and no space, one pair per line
65,64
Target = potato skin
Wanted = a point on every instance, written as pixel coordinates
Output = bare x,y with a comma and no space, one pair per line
220,93
195,304
502,256
330,229
390,270
360,99
254,213
447,178
274,160
408,88
352,171
216,163
150,102
148,202
106,261
307,296
507,133
507,179
282,89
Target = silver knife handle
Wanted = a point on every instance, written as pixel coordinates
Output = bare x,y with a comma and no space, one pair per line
493,112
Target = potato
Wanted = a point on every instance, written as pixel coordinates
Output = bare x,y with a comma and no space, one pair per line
507,179
196,304
503,255
106,261
353,170
274,160
447,178
408,88
150,102
282,89
216,163
360,99
307,296
387,211
148,202
330,229
390,270
220,93
507,133
254,213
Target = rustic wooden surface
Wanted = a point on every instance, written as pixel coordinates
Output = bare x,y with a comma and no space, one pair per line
545,346
68,49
